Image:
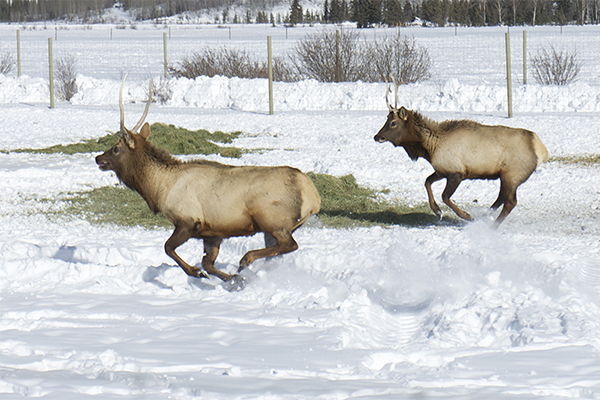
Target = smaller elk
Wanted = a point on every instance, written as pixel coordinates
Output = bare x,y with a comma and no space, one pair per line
459,150
212,201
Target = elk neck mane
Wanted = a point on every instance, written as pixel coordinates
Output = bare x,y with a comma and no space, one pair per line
424,131
430,133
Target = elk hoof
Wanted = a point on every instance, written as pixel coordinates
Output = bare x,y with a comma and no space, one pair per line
198,273
237,283
203,274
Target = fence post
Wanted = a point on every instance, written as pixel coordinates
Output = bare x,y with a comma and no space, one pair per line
51,72
165,51
524,57
270,73
337,56
508,77
18,52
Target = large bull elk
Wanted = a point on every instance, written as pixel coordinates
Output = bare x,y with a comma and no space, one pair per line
212,201
459,150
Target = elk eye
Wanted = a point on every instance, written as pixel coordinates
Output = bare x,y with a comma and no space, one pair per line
115,150
393,124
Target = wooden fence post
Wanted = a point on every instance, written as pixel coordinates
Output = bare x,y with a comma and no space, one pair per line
18,52
165,51
524,57
51,72
337,56
508,77
270,73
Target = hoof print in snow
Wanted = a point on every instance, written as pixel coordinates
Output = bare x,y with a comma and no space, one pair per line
236,284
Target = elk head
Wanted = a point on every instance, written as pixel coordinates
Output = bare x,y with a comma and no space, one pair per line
119,157
396,127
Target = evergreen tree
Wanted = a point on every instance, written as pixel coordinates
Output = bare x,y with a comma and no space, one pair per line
393,13
295,13
477,13
408,13
366,12
336,11
434,12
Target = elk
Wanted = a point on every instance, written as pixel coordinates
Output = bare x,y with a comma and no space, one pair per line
464,149
211,201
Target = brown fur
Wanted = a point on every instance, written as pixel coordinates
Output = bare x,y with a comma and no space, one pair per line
212,201
464,149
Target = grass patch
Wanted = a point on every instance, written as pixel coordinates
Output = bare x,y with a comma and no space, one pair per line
183,141
592,159
176,140
344,204
87,146
114,205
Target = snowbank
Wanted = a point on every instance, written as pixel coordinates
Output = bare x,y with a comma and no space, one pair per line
252,95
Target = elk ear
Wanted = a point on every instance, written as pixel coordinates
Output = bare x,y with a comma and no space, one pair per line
403,113
145,132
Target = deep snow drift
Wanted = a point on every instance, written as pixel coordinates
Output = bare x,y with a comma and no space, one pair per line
438,311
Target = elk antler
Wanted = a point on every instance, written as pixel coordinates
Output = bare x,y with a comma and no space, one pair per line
141,121
388,90
121,106
124,131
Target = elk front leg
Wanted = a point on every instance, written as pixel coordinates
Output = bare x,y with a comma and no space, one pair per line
179,237
452,182
211,250
434,207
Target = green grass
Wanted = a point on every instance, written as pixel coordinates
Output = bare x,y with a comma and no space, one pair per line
113,205
344,204
176,140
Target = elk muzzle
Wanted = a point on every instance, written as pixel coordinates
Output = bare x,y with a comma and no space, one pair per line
103,164
379,138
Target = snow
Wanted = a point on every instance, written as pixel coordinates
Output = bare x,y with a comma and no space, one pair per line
439,311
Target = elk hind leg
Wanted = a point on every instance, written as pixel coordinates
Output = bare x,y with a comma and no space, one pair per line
501,196
180,235
510,201
451,185
283,243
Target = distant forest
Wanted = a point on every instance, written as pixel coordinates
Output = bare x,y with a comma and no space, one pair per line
365,13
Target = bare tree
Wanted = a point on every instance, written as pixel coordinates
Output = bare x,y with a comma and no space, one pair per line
65,73
229,62
7,62
327,58
554,67
399,56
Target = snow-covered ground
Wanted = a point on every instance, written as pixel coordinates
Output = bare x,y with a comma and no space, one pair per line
438,311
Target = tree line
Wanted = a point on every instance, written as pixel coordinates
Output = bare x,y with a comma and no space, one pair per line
462,12
365,13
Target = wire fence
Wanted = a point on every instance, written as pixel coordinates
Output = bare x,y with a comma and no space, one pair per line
470,55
